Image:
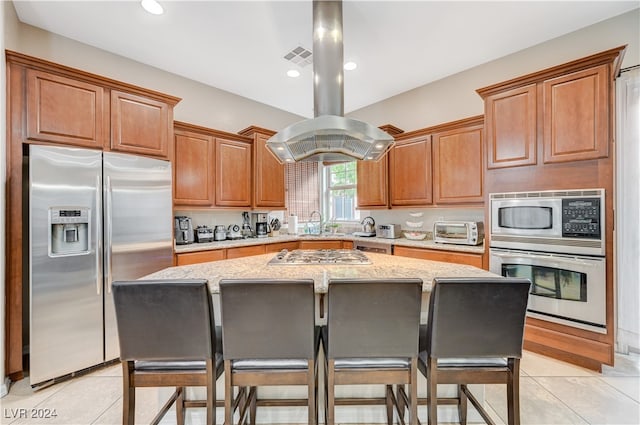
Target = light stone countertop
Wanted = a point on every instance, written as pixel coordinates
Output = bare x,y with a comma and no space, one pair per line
383,266
425,244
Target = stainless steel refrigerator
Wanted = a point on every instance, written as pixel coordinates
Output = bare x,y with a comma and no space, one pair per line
94,218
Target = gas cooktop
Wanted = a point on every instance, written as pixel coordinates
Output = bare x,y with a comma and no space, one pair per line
320,256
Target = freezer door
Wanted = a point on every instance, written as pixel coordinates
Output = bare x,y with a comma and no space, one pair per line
138,226
65,271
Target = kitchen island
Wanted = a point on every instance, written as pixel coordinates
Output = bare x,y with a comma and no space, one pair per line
382,266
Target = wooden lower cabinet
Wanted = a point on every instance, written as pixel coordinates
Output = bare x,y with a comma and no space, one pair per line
200,257
320,244
277,247
437,255
245,251
347,245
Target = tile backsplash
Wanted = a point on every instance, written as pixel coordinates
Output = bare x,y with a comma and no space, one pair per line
419,219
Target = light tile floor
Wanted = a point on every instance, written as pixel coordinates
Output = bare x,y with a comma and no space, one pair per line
552,392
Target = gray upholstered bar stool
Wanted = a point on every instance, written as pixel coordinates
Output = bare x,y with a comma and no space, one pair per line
474,335
167,339
372,338
268,334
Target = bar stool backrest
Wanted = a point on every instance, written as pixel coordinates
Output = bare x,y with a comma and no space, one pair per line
164,320
267,319
373,318
470,317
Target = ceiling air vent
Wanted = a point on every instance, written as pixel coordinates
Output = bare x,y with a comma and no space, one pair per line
300,56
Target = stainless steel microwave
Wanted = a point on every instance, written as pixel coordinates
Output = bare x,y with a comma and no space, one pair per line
565,221
458,232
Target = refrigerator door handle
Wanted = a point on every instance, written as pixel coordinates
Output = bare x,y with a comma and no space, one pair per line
109,233
98,234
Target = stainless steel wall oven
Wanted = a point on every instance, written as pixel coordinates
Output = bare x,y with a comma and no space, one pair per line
555,239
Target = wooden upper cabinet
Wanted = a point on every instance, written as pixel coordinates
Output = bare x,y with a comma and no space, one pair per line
373,178
193,169
511,127
564,112
140,125
233,173
64,110
410,172
268,176
268,172
576,116
372,183
458,166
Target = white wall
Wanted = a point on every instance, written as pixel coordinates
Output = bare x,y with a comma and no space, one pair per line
627,207
8,20
201,105
455,97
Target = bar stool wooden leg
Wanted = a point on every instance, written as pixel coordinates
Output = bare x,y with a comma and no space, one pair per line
180,410
389,403
228,394
413,397
432,391
129,395
513,392
462,405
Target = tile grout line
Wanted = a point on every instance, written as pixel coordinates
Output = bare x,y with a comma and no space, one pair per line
616,389
558,398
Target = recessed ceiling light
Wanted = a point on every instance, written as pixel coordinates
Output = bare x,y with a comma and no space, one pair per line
379,146
350,66
152,6
293,73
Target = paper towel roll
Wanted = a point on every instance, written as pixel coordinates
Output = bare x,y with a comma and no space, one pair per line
293,225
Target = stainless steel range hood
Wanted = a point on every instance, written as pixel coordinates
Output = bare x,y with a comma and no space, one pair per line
329,136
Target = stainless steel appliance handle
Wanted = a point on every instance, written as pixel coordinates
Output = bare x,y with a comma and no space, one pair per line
98,233
109,230
559,258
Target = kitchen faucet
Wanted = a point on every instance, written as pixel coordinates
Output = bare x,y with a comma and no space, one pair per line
319,231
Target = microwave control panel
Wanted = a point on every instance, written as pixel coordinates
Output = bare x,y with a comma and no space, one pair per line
581,218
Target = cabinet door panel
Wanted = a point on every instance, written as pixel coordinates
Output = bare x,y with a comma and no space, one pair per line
437,255
63,110
457,166
410,172
320,244
193,167
372,183
233,173
277,247
245,251
511,127
269,177
139,125
576,116
199,257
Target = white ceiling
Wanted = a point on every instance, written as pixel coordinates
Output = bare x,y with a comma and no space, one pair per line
238,46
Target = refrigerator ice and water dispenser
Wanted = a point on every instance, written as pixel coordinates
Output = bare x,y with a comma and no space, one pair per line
69,231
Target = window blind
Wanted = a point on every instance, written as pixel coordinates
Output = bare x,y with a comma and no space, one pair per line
302,189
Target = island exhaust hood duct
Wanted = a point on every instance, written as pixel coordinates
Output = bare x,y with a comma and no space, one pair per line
329,136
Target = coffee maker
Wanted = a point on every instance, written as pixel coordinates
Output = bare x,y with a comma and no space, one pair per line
259,224
183,229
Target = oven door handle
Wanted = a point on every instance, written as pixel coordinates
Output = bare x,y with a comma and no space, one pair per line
557,258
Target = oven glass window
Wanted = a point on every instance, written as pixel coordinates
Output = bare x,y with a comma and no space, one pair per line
452,231
550,282
526,217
